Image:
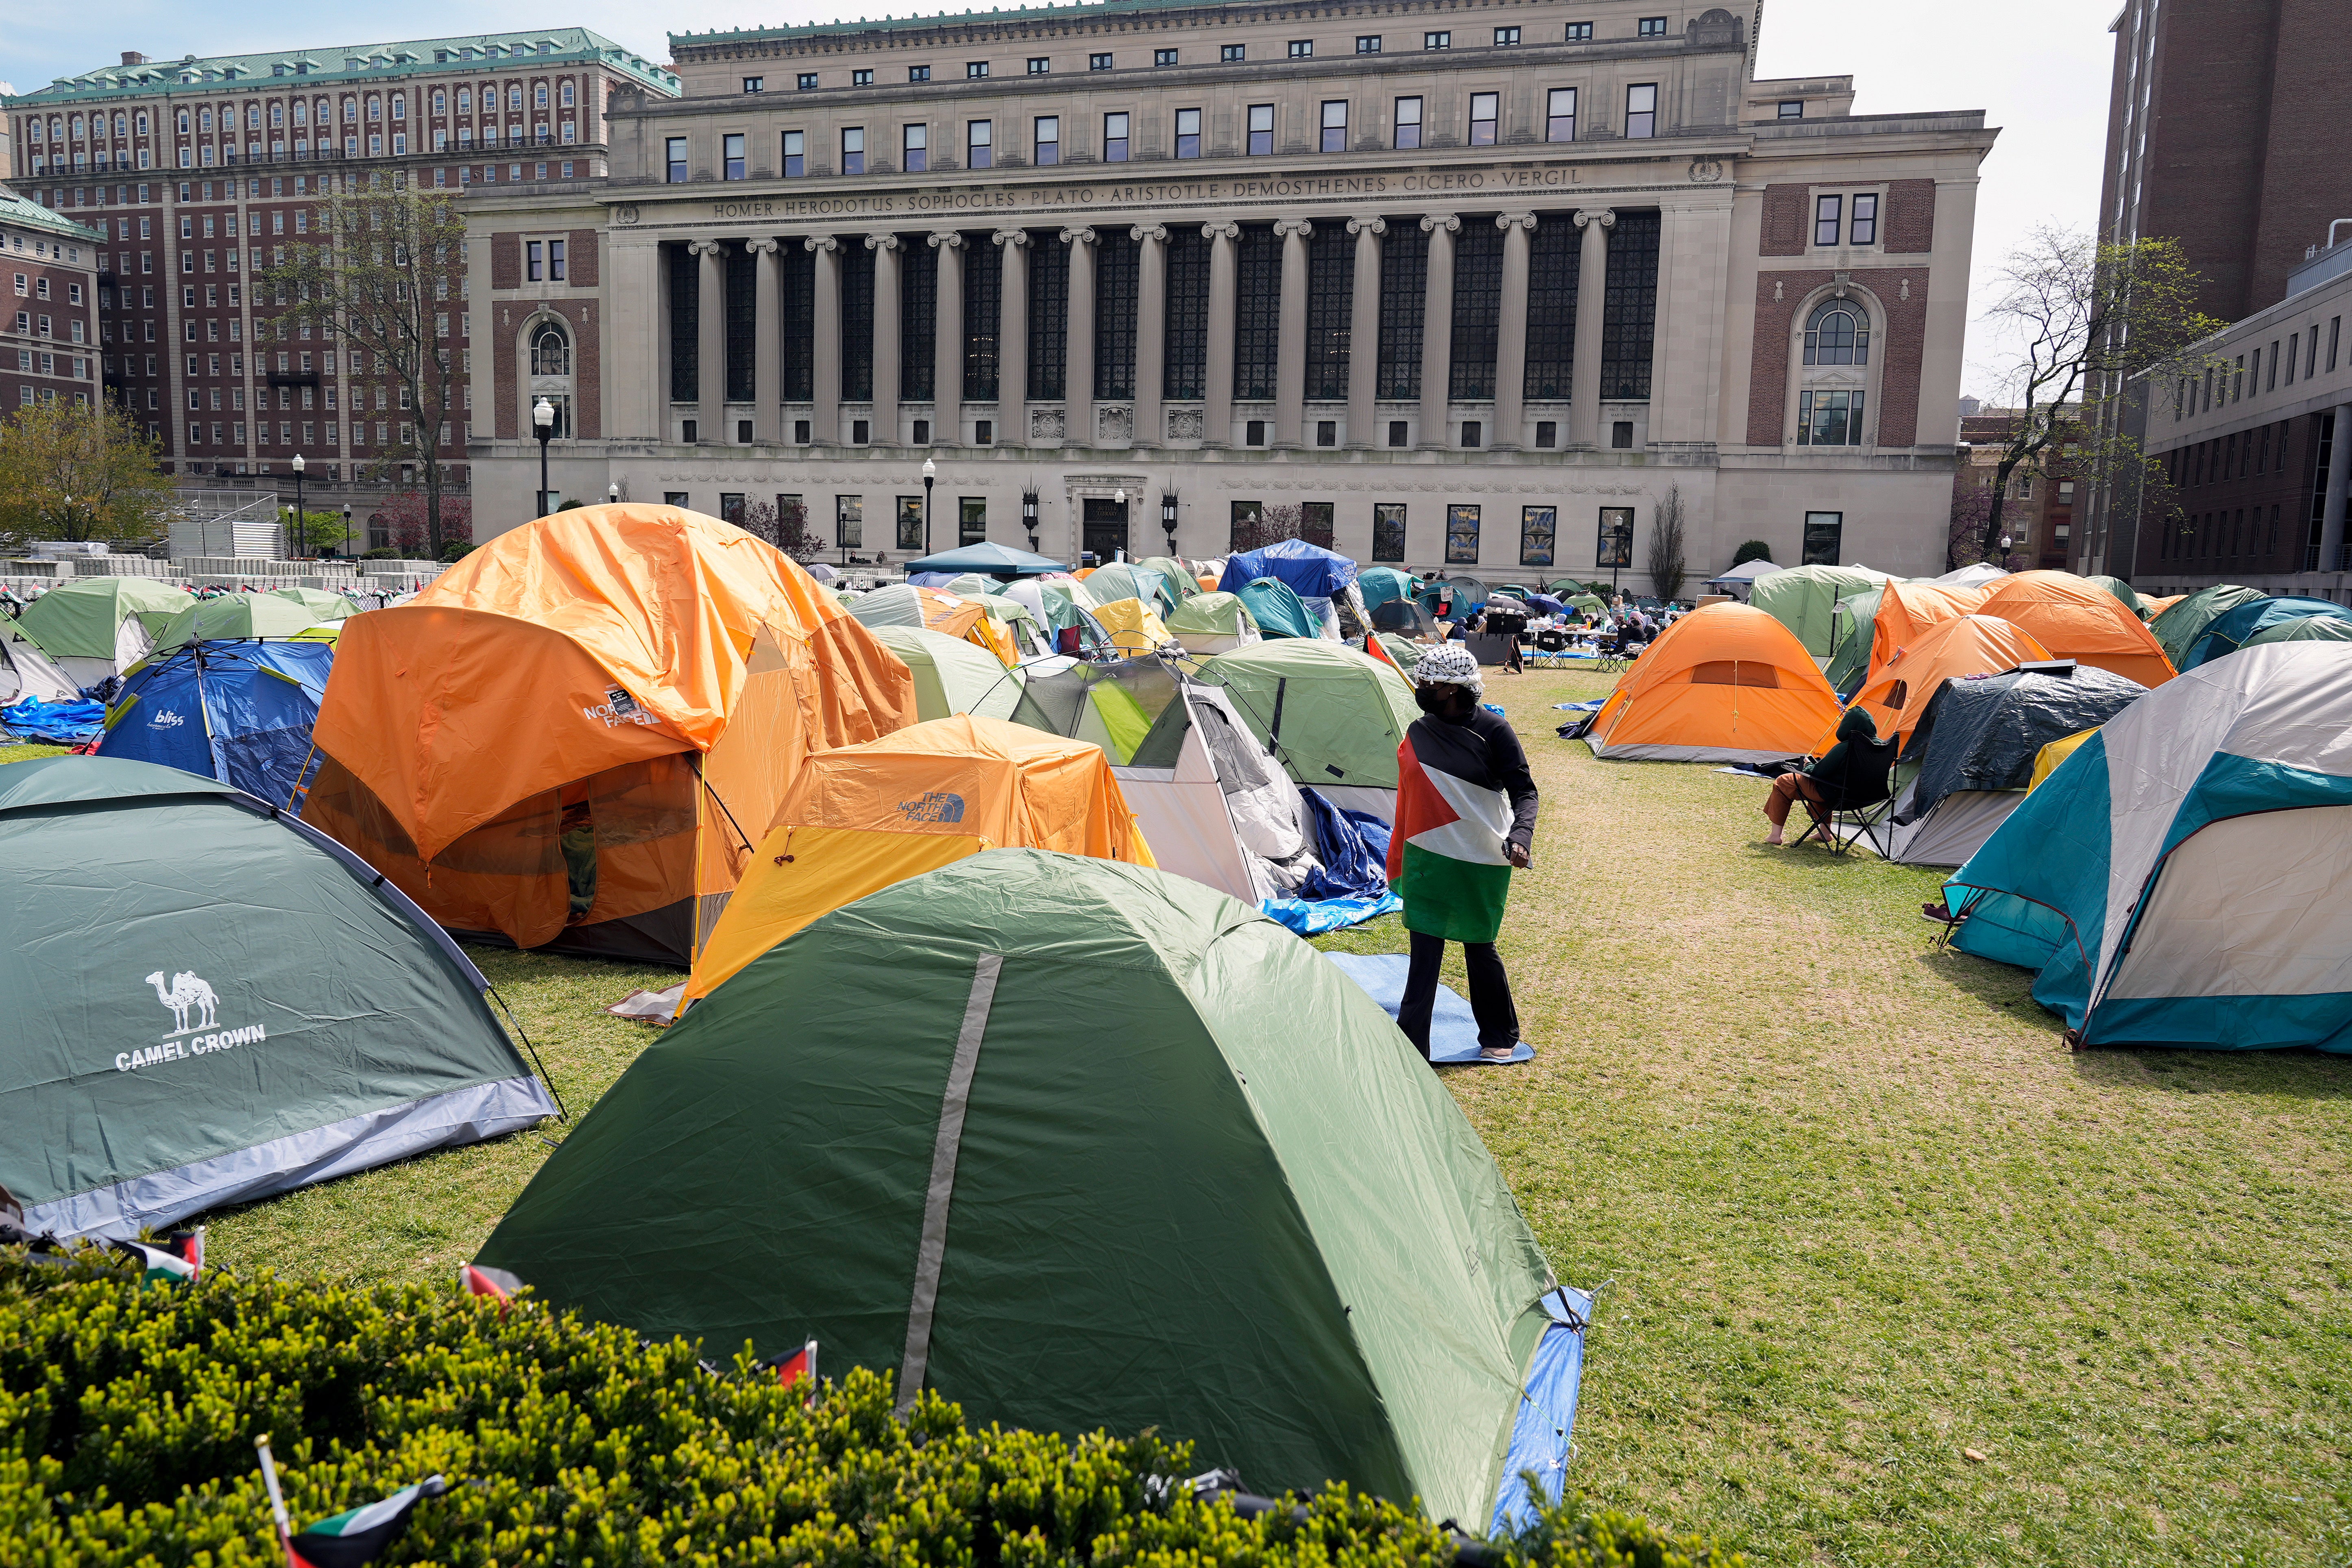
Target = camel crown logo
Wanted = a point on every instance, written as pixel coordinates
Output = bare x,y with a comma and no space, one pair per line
187,997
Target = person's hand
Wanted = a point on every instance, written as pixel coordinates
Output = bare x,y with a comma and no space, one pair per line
1519,855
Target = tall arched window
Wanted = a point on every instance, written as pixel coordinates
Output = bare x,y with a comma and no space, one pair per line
549,343
1833,384
550,351
1837,333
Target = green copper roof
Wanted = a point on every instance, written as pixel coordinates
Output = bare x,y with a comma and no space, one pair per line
22,213
353,62
1006,15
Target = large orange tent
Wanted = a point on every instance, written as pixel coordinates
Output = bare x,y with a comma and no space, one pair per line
865,817
1954,649
2079,620
569,738
1908,611
1726,683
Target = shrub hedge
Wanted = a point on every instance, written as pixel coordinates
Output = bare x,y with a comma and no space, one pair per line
128,1416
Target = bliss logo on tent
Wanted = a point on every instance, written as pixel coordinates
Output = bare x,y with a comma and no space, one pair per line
935,805
165,719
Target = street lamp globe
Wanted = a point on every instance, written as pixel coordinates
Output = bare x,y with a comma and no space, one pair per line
543,415
930,470
613,492
298,464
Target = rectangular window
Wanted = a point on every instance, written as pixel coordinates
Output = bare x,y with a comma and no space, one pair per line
1188,133
1114,138
1367,43
848,521
1560,115
1229,53
1388,530
979,151
532,261
1829,418
918,73
2335,330
1097,62
1485,108
1247,516
911,523
1538,529
1827,211
1505,38
555,261
731,156
914,148
1792,109
1651,28
1257,315
1408,122
1163,56
861,78
1461,536
1261,130
1641,110
750,84
1335,125
2272,386
972,519
1437,40
807,81
1049,140
1039,65
795,154
974,70
1822,533
677,160
1302,48
853,149
1864,227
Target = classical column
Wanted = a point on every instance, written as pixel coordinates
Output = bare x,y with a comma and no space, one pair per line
946,354
710,343
884,429
1290,335
1078,355
1511,335
824,391
2339,477
1591,295
768,355
1150,329
1013,340
1217,418
1364,331
1437,330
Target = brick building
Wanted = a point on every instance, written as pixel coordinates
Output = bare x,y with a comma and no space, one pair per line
197,173
48,317
2037,514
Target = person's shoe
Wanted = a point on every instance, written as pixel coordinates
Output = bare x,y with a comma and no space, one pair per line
1497,1053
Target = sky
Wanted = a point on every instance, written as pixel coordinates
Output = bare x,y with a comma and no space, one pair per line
2038,69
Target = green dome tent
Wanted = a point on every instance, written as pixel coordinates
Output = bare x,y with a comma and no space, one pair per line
1178,576
234,618
1333,714
1854,629
323,606
98,627
951,676
2178,627
1213,623
298,1019
1102,1154
1804,599
2304,628
2126,594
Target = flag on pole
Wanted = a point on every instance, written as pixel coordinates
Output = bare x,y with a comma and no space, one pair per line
801,1364
1372,645
177,1259
360,1535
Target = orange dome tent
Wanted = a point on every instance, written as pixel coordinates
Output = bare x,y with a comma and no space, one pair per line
2081,620
1953,649
1726,683
1907,610
865,817
569,737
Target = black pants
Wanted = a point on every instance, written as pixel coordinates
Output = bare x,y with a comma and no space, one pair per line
1490,992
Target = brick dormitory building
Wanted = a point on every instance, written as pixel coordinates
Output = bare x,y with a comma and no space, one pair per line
184,178
49,317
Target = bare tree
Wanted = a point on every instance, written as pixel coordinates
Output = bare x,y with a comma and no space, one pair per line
2086,318
784,525
1268,525
385,275
1667,562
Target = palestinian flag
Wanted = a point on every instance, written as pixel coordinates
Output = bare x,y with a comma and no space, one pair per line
176,1260
480,1279
1372,646
801,1364
1446,859
360,1534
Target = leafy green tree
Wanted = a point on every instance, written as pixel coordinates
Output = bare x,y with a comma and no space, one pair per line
75,471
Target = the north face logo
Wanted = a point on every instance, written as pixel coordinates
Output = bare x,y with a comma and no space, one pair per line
937,805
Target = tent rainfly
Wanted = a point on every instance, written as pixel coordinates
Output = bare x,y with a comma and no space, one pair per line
1332,715
1804,599
951,675
1726,683
97,626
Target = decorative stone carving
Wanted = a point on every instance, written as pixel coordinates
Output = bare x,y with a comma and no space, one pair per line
703,248
1046,425
762,247
1431,222
950,240
881,242
1078,235
1223,229
1144,231
1510,221
1374,224
1706,171
1605,216
1011,236
1289,226
1115,424
626,214
1840,283
817,242
1906,288
1185,424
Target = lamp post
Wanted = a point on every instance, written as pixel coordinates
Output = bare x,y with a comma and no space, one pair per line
613,493
346,524
930,472
2004,552
1118,499
301,518
542,419
1168,518
1029,516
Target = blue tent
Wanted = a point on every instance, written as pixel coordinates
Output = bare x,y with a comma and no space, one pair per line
2233,628
237,712
1310,571
1467,593
1276,609
1380,584
989,559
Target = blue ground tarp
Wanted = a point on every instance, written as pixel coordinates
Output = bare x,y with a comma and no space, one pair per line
60,723
1453,1031
1312,916
1541,1434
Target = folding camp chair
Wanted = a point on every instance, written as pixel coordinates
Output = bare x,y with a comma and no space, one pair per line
1864,799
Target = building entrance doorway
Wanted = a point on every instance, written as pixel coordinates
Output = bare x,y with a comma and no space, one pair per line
1105,532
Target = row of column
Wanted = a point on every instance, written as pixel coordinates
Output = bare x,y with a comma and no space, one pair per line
1150,348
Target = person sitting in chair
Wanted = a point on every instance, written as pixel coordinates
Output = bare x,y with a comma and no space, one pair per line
1841,777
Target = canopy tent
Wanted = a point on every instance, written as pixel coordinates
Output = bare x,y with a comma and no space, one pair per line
1146,1198
2182,878
2074,620
568,739
1130,580
1215,804
1332,715
1407,618
1309,571
241,712
1803,598
1966,646
963,584
951,675
2304,628
321,1025
2233,629
1133,628
1983,575
2179,624
865,817
904,604
232,616
1973,755
1744,575
1176,575
92,628
989,559
1276,610
2126,594
27,670
1726,683
1381,585
1213,623
322,606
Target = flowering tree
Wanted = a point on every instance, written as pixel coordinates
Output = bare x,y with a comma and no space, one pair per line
406,516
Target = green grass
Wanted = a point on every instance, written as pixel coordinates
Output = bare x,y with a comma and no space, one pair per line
29,751
1857,1209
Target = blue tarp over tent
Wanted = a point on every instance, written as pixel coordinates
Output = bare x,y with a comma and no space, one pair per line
1310,571
61,723
240,712
1276,608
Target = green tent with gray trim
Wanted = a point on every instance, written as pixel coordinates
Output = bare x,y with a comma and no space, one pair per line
951,676
1111,1149
211,1002
98,627
1334,715
1804,599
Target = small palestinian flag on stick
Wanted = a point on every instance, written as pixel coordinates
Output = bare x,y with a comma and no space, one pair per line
1372,646
352,1537
177,1259
480,1279
801,1364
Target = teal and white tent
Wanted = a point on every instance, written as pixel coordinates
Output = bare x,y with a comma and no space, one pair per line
2185,877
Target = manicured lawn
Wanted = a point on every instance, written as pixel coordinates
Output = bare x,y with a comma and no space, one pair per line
1857,1210
26,751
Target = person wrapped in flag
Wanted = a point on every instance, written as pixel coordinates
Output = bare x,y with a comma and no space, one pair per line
1466,818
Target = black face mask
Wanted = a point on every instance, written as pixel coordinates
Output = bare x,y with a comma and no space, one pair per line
1447,702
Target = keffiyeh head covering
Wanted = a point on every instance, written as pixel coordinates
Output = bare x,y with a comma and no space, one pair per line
1449,664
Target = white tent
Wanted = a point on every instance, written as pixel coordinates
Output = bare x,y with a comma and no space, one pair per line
1213,804
1975,576
26,672
1743,573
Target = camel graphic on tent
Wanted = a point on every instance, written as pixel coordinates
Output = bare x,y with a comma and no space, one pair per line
187,991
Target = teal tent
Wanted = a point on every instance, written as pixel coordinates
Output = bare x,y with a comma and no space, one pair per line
1111,1149
2178,627
1379,584
1276,609
2231,630
298,1019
